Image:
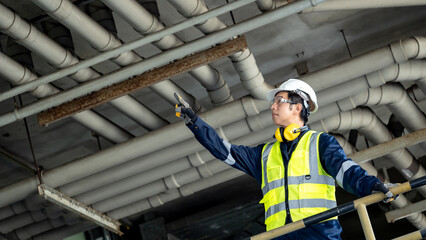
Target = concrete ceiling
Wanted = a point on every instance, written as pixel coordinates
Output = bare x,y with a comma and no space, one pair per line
212,207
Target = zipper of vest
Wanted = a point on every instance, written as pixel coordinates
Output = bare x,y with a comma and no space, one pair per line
287,207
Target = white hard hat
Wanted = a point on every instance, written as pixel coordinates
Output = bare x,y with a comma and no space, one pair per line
301,88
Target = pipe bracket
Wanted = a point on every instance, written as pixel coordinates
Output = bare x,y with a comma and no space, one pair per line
171,182
195,159
155,201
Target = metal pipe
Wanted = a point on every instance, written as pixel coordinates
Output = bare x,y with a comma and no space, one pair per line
243,61
144,22
127,151
152,37
336,5
152,62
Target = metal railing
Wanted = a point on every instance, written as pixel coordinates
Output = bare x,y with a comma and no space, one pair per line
359,205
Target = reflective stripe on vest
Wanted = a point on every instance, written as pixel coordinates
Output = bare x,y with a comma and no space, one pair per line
311,189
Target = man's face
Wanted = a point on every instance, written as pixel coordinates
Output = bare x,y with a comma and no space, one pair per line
282,113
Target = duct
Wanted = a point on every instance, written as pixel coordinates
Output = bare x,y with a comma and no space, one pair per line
17,74
121,153
162,58
335,5
145,23
367,123
57,56
244,62
418,219
72,17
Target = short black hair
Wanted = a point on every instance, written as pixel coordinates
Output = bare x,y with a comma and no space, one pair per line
294,97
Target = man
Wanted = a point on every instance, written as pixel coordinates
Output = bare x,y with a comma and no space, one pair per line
295,185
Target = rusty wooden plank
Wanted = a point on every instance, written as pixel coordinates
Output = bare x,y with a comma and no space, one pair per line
141,81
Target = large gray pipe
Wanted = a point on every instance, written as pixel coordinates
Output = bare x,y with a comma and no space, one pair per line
144,22
243,61
17,74
118,154
417,219
370,126
71,16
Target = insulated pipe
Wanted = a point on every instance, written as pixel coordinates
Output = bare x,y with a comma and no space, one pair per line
417,219
16,74
159,59
166,181
179,172
397,52
29,36
142,171
370,126
71,16
349,149
144,22
267,5
336,5
124,152
131,167
159,158
243,61
149,203
115,172
123,48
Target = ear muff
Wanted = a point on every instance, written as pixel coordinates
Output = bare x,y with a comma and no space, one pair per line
290,133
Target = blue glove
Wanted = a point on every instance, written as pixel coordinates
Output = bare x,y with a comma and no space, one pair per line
380,187
183,110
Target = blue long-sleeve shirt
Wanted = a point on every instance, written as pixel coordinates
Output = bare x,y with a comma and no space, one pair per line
347,173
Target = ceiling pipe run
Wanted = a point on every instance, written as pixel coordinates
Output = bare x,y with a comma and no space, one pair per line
144,189
71,16
90,198
159,59
342,64
243,61
205,168
417,219
320,101
123,48
145,23
365,121
336,5
152,202
124,152
30,37
16,74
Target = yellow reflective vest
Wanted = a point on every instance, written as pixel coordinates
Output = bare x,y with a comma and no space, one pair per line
301,189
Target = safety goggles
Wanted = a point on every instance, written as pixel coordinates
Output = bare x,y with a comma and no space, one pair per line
279,100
